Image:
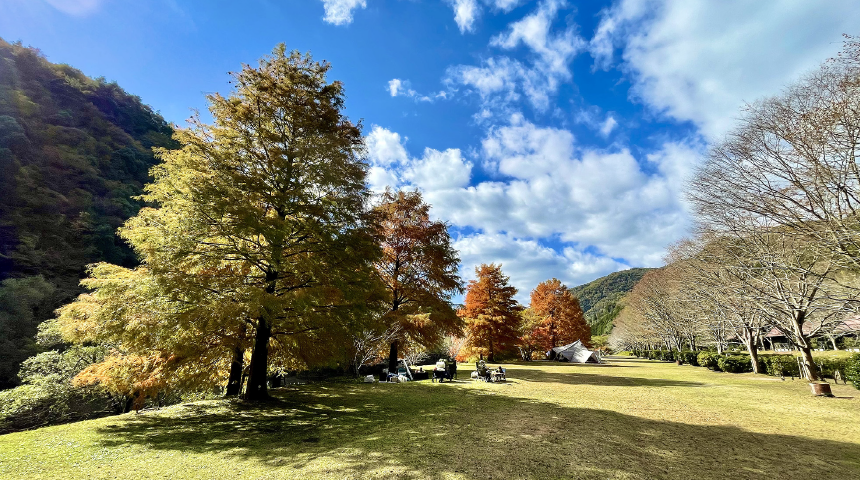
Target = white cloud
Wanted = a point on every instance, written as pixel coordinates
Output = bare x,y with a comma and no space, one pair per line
700,61
437,170
403,88
546,186
76,7
528,262
608,126
391,166
500,80
385,147
594,118
495,76
553,52
397,87
339,12
504,5
466,12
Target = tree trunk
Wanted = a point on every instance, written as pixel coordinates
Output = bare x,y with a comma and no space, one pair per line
258,378
234,383
810,363
490,356
833,342
392,357
752,348
129,401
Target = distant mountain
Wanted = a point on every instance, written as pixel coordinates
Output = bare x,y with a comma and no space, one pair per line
74,151
600,299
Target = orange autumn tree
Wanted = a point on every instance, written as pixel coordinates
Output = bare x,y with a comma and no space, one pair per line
492,314
419,268
561,318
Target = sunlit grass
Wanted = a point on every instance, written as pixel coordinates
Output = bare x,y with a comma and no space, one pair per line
629,419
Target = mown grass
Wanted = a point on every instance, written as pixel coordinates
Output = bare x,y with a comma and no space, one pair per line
630,419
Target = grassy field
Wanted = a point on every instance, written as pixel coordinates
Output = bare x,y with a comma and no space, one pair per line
628,419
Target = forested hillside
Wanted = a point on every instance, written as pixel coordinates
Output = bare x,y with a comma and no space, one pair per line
73,151
600,299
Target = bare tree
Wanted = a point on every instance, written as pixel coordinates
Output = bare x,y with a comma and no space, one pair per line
781,196
792,163
725,301
783,281
371,345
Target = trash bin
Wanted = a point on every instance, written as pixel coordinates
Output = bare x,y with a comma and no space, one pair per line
821,389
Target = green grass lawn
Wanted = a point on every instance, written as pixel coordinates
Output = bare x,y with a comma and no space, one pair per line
629,419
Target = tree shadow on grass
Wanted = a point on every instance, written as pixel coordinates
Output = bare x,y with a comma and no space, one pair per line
576,378
426,431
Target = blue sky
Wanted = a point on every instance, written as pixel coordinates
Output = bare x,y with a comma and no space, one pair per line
554,136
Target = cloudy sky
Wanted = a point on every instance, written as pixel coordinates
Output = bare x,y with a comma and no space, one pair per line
554,136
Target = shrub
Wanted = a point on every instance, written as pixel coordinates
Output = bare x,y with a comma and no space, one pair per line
689,357
709,360
779,365
735,363
852,370
47,396
829,366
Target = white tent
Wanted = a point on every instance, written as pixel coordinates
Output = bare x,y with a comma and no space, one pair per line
574,352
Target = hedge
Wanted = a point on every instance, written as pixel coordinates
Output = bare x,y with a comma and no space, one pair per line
709,360
735,364
852,370
777,365
688,357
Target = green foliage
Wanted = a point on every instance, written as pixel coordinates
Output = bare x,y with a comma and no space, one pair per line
735,363
47,396
828,366
852,370
688,357
779,365
259,236
600,299
709,360
73,153
22,303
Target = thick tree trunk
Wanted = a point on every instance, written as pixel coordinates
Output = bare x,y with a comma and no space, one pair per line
257,380
806,353
234,383
833,342
392,357
752,348
490,355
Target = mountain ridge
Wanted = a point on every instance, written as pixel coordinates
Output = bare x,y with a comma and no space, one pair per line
600,299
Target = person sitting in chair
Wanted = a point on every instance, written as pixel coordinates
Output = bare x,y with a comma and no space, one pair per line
452,369
439,371
483,372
